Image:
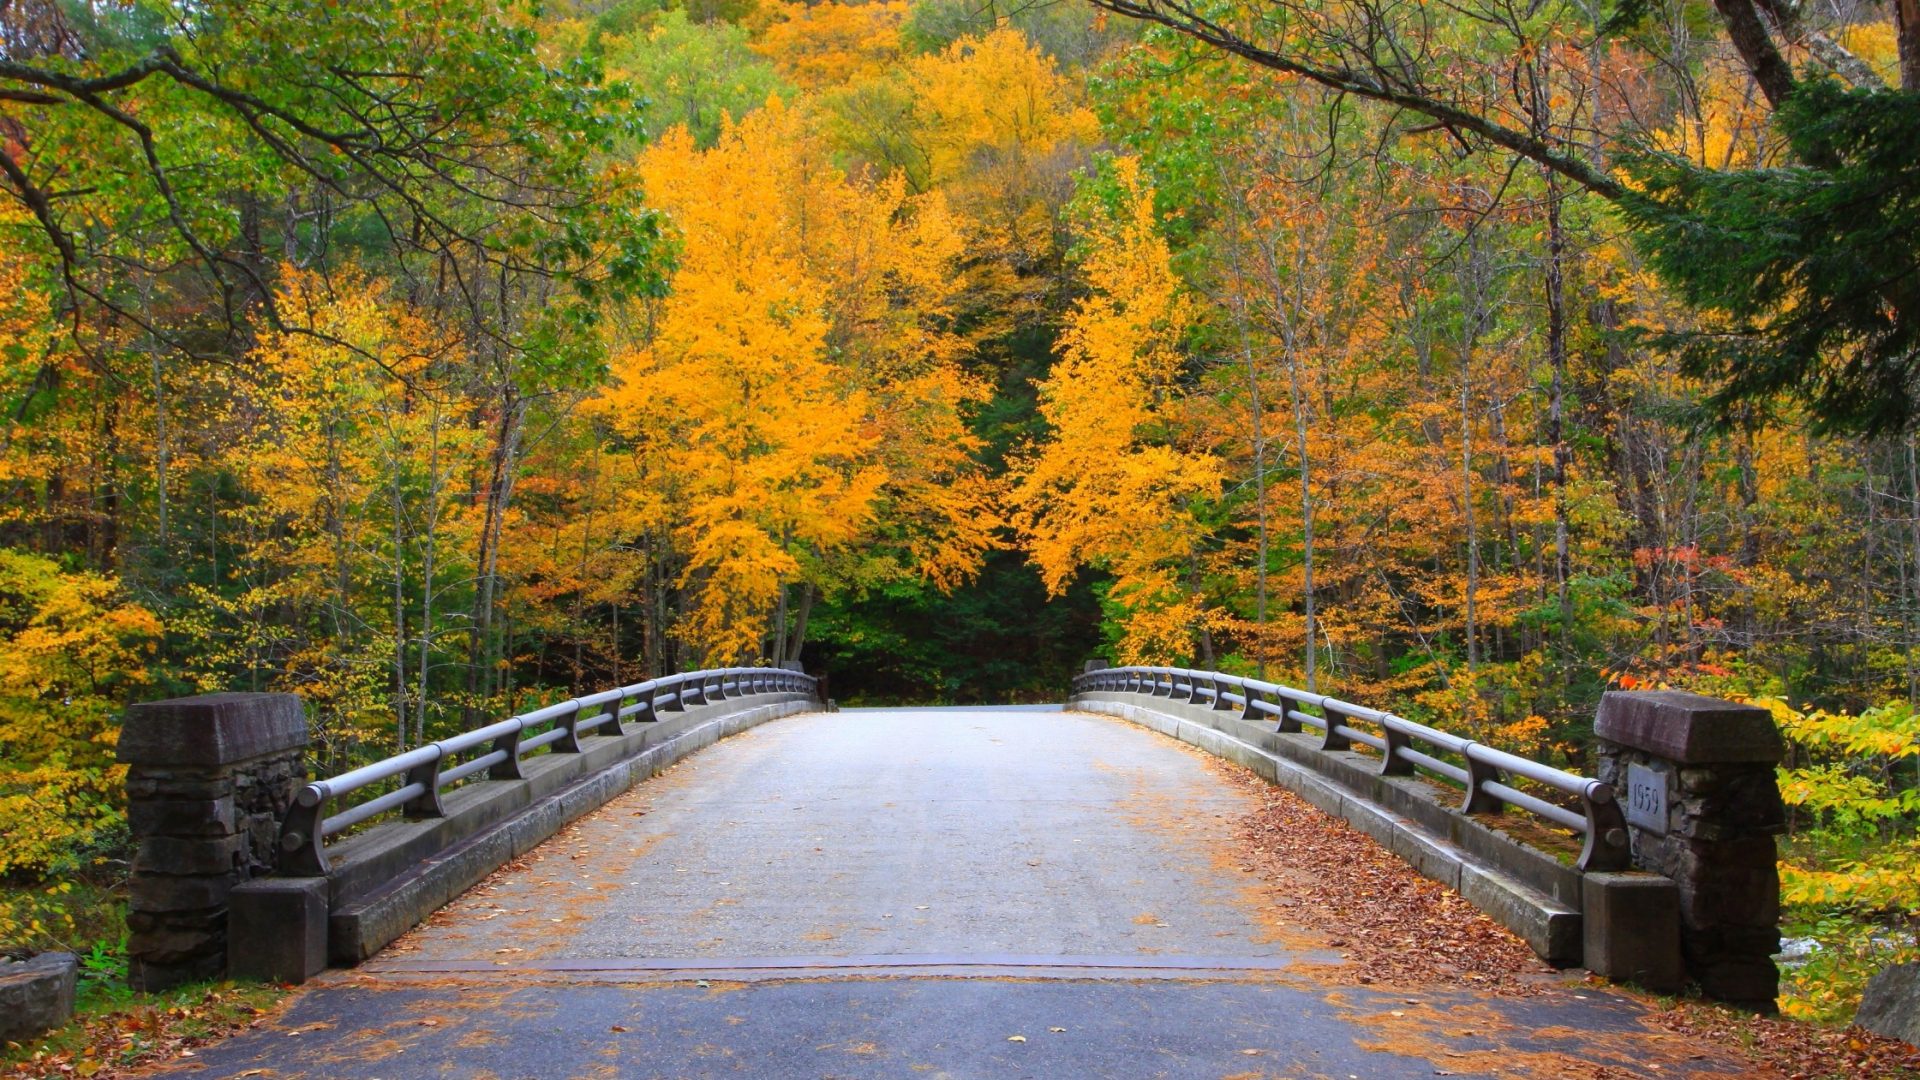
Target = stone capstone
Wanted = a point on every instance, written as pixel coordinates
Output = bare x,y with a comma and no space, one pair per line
36,995
1688,728
1891,1005
211,729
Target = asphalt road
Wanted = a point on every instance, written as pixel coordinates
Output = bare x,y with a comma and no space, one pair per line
939,893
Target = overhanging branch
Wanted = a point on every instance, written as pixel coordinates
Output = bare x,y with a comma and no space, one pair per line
1178,17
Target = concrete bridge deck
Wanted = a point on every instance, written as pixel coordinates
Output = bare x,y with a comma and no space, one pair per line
929,892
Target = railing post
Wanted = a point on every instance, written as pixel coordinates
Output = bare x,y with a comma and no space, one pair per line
427,803
1477,799
694,687
611,725
1248,711
673,702
1391,763
303,851
1174,687
1220,702
510,768
1331,739
1607,846
569,725
1289,723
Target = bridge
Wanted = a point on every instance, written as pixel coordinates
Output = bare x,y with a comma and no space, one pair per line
718,873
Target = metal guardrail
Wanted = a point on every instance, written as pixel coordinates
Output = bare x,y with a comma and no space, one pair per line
1599,820
424,771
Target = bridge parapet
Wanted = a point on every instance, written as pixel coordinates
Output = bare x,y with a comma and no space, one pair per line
244,868
1620,906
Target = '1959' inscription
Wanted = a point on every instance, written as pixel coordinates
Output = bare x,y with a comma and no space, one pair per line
1647,799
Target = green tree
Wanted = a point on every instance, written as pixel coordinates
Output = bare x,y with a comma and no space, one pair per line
1809,272
692,74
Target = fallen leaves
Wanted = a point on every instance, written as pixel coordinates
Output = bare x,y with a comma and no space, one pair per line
1391,924
1797,1049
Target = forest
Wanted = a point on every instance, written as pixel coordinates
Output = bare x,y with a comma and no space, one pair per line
1465,359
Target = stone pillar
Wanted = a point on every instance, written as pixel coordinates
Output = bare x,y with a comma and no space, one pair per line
208,778
1696,776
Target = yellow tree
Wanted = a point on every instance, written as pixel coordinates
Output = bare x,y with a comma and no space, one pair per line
798,400
993,123
826,45
1109,487
1003,131
72,651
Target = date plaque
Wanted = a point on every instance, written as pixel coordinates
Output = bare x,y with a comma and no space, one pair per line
1647,799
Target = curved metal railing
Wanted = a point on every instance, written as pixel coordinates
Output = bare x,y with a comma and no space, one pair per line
1599,820
424,772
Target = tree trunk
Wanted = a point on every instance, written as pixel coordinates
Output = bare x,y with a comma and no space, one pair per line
798,639
1556,410
429,551
779,649
399,541
1756,48
1906,19
1912,572
481,669
1259,496
1306,517
162,454
1471,328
